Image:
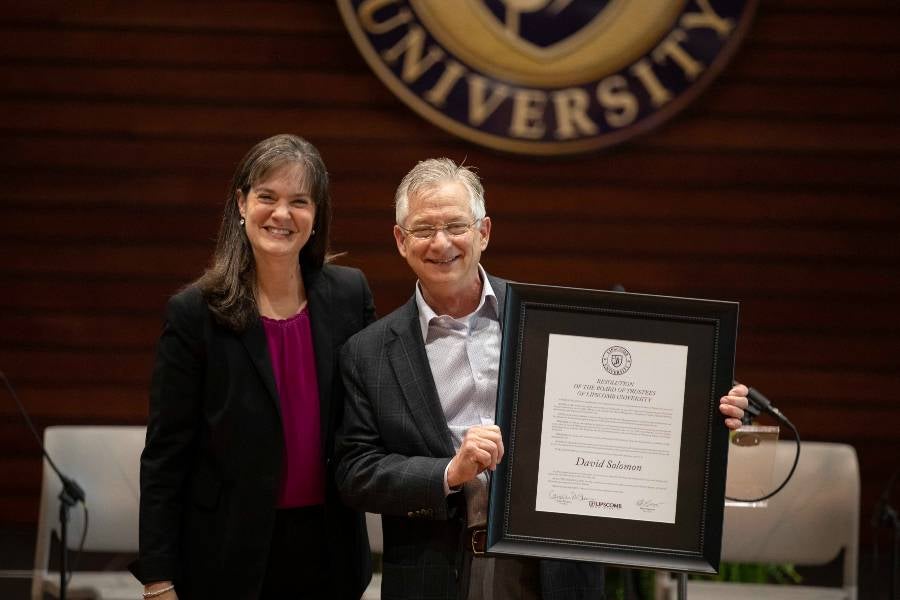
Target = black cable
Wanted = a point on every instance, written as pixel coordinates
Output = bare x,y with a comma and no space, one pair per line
84,531
790,474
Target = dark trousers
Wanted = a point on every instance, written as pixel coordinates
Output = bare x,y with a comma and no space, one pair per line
507,578
298,558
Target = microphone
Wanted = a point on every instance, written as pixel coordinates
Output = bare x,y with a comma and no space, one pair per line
758,404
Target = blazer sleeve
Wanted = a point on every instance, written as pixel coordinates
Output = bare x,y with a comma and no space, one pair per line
175,408
368,302
357,310
372,474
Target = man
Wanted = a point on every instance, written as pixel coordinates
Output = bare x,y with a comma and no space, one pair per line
418,438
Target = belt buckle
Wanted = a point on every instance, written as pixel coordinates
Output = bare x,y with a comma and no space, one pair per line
478,539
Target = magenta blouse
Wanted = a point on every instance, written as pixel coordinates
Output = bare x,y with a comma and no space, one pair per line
294,366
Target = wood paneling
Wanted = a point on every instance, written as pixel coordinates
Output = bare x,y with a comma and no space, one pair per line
120,123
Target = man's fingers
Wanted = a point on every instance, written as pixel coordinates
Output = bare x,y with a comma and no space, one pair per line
481,448
485,459
739,389
489,432
492,434
738,401
729,410
487,451
733,423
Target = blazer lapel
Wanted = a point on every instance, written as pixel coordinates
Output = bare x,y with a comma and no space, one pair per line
409,361
499,287
318,294
254,340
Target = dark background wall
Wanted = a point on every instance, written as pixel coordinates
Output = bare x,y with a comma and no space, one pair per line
121,122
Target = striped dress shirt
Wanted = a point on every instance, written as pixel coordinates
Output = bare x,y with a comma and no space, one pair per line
464,356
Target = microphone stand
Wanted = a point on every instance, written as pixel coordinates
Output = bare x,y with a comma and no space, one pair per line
70,495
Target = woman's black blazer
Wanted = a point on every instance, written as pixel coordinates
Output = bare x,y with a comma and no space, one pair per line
211,467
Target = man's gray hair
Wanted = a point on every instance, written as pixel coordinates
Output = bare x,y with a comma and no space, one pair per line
429,174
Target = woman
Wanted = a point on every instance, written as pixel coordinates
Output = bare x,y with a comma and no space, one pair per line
237,494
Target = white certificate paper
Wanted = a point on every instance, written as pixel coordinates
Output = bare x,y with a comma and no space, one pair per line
611,434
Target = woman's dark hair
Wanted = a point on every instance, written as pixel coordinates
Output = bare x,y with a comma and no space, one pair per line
228,285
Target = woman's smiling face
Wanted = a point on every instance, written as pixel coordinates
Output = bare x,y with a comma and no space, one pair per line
279,212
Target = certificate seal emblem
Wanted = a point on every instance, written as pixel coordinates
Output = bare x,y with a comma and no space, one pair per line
547,77
616,360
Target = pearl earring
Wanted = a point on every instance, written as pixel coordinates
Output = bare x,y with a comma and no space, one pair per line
242,221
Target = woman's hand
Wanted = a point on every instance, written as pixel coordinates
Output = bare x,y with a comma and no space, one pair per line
160,590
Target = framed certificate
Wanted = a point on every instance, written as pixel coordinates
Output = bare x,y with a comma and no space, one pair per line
615,448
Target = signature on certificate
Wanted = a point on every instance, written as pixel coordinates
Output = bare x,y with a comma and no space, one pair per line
570,497
648,506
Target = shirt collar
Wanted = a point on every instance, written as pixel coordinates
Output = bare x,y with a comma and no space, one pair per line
488,301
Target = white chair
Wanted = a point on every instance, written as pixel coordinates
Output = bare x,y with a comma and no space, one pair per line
104,460
376,543
809,522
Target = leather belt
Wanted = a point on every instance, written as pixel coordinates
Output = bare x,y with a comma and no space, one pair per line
476,541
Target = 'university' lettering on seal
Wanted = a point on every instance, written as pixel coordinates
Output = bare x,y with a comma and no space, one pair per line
546,76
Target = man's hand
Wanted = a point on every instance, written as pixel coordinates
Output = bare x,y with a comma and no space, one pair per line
732,406
481,448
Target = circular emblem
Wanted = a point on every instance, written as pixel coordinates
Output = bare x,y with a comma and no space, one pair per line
616,360
546,76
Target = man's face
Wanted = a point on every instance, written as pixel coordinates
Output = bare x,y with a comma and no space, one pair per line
444,264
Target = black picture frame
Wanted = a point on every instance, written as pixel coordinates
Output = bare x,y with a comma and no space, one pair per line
709,329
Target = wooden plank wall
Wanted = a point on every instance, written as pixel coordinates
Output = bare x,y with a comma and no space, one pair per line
121,121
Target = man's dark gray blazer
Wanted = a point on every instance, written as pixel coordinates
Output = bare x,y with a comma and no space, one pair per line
393,447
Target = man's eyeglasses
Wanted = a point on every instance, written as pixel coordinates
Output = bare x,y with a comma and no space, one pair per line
426,232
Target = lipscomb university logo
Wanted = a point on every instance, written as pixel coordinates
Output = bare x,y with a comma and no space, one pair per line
616,360
547,76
